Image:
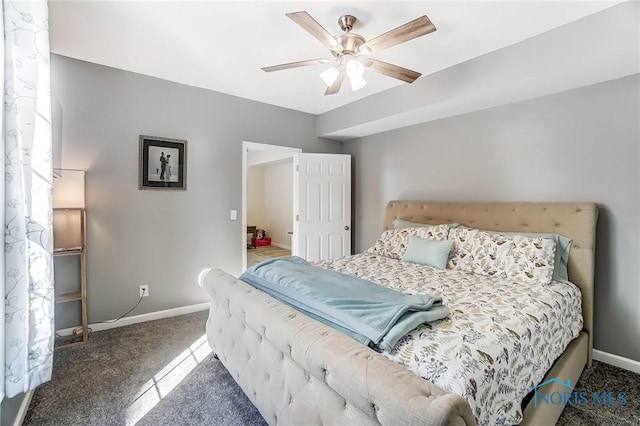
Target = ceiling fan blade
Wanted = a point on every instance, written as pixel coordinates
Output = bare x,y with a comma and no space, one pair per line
315,29
391,70
416,28
337,83
296,64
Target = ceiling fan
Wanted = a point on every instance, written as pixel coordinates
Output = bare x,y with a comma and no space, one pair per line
348,48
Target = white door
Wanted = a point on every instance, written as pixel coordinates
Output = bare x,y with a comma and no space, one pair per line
322,206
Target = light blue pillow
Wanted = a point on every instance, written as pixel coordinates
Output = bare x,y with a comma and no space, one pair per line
563,247
427,252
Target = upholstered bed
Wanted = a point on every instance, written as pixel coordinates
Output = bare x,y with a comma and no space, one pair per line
298,371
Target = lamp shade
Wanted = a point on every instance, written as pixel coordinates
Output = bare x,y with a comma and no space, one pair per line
357,82
355,68
68,189
355,71
329,76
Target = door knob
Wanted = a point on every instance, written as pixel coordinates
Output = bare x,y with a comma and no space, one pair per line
346,228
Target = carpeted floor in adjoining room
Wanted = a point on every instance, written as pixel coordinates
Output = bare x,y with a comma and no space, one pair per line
163,373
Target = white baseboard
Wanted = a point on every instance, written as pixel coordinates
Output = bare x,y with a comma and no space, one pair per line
616,360
282,246
24,407
140,318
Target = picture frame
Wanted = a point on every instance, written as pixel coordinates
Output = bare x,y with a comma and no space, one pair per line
162,163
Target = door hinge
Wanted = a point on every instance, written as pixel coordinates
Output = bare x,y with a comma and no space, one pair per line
297,168
297,218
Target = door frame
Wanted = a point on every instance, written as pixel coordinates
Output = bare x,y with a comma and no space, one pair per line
248,146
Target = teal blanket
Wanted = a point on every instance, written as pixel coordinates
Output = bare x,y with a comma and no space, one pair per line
371,314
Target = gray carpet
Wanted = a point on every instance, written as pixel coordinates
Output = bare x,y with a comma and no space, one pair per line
100,383
605,378
153,374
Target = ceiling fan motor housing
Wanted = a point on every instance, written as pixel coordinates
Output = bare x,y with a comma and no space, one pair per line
350,44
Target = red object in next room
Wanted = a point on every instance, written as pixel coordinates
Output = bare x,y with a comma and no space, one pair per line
266,241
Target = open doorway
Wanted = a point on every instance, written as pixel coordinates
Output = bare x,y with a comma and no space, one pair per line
313,220
268,204
269,209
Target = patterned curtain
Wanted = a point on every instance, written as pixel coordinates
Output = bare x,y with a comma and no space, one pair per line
28,236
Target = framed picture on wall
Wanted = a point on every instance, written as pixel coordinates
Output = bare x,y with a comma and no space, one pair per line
162,164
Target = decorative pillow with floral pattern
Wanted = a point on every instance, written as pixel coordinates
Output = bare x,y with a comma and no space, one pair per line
393,243
517,257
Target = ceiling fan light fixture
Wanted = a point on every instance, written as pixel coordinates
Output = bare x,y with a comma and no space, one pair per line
329,76
355,71
355,68
357,82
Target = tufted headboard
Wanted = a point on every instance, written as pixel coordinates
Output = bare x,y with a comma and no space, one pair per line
574,220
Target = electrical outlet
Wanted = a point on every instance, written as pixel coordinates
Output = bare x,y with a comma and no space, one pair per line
144,290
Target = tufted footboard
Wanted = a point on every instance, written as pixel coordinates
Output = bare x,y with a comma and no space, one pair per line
298,371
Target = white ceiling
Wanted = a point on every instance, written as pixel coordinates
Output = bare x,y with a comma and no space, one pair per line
222,45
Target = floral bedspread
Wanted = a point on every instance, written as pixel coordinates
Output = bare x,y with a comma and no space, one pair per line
498,342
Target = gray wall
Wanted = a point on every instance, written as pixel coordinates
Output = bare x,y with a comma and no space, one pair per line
580,145
160,238
573,146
